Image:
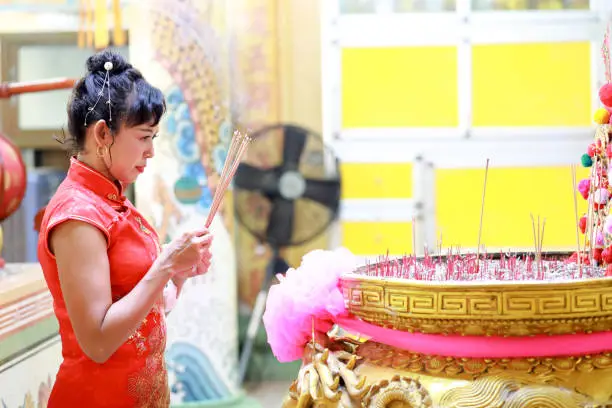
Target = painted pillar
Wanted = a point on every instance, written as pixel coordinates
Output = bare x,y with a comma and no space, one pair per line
181,47
256,102
275,65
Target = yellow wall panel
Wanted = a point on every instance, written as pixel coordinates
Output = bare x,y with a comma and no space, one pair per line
375,238
399,87
532,84
512,195
376,180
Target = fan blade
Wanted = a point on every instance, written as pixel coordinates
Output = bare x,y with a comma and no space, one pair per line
326,192
251,178
280,224
293,146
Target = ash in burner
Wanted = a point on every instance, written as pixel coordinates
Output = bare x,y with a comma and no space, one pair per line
517,267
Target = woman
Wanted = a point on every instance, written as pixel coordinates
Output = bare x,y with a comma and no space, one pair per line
101,259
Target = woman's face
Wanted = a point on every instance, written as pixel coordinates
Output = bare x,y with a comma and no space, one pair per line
129,152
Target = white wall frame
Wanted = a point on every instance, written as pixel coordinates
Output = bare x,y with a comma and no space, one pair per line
462,28
465,146
379,210
457,154
331,71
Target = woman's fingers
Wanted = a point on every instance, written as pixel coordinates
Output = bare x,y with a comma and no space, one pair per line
205,254
201,268
199,246
200,232
203,241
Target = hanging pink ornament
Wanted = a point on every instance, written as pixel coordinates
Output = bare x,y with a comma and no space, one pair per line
599,240
605,95
601,196
583,187
582,224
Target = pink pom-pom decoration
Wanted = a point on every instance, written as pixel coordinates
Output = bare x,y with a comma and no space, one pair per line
599,240
310,291
601,196
605,95
583,187
592,150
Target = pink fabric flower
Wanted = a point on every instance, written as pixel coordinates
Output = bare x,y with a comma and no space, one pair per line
308,292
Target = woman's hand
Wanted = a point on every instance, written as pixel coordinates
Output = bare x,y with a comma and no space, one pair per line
173,290
186,256
200,269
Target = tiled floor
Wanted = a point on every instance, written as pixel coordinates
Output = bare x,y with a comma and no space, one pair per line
268,394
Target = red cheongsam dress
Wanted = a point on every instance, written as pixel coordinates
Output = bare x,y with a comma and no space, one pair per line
135,375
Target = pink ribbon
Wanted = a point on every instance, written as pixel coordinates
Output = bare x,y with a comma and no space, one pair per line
482,347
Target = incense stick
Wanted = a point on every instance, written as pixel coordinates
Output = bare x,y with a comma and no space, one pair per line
541,244
542,236
535,239
414,237
484,190
589,216
237,148
574,189
231,151
225,181
538,241
538,246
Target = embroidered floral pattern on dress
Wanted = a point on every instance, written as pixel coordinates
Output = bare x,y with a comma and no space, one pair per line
139,341
149,385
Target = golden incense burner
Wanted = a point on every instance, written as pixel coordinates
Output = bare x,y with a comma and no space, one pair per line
350,369
482,308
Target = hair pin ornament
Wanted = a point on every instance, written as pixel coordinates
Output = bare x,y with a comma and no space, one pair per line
108,66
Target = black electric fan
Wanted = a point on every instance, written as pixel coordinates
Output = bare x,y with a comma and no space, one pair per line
286,192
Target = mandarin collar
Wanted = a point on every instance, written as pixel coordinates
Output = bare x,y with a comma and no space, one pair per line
95,181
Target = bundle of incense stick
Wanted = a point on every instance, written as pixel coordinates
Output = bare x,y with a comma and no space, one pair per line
459,267
236,151
538,240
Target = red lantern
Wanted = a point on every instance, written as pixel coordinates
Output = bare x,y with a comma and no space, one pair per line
13,181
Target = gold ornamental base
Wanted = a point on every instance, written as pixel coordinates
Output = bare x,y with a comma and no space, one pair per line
373,375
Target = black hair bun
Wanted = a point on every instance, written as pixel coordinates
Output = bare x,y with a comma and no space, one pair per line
96,62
